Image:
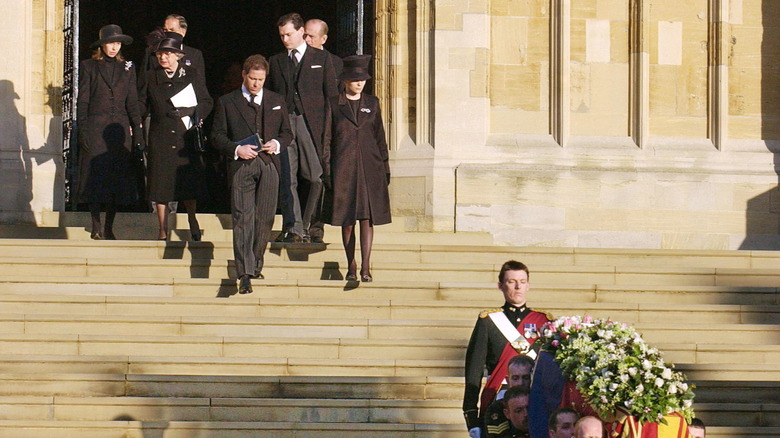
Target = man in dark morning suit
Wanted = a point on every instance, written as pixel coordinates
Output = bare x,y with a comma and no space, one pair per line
490,347
254,170
316,34
306,77
175,27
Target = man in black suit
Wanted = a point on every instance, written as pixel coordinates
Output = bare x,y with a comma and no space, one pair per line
316,34
254,169
306,77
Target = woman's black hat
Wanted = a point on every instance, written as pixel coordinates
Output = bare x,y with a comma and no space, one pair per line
356,68
111,33
169,45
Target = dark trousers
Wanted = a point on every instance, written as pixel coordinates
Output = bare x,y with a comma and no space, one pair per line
255,187
304,164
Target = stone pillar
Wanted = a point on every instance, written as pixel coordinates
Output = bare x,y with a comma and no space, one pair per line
560,69
639,92
719,73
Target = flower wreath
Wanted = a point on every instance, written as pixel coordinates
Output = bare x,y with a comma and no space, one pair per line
615,369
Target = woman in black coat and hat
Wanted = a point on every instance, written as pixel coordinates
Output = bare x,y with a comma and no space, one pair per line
176,170
355,164
109,126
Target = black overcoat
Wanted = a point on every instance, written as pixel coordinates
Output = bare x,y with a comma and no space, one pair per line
316,82
175,169
107,109
356,163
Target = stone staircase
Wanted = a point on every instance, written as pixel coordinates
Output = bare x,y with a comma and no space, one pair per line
140,338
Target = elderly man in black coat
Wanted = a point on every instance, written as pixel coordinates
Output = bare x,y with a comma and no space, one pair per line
251,127
306,77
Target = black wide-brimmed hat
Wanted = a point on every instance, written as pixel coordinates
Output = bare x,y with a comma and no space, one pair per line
111,33
169,45
356,68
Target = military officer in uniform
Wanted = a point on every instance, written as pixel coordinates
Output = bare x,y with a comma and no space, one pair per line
499,334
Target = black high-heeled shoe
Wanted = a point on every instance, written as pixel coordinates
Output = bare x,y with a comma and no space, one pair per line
96,235
351,276
366,278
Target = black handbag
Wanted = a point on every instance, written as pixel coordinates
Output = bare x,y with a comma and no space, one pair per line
199,139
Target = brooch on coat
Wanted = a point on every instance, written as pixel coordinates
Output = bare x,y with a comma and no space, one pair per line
187,62
128,65
365,110
182,72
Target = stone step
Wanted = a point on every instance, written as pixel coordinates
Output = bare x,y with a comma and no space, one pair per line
309,290
82,363
205,268
205,346
76,384
306,410
181,233
373,308
399,252
127,427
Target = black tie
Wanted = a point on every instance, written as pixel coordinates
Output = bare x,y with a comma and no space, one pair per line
252,102
294,58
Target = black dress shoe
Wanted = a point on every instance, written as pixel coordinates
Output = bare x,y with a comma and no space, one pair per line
317,239
258,275
282,237
245,285
109,235
304,238
96,235
366,278
196,237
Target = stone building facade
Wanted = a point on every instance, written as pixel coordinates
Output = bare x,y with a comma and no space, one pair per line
576,123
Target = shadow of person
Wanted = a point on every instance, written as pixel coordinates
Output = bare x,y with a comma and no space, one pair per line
16,170
51,151
762,212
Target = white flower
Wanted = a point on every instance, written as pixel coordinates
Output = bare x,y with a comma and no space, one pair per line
659,382
624,378
683,387
672,388
646,364
687,403
666,373
632,371
613,387
182,72
128,65
639,389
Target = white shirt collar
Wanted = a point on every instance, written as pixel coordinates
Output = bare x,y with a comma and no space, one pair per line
248,95
301,50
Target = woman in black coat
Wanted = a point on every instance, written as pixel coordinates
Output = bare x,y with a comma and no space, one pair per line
176,170
355,164
109,124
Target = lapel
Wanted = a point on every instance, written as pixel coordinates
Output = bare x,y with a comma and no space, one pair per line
306,60
346,109
179,81
243,108
104,68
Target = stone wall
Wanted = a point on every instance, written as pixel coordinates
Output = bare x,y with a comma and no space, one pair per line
612,123
31,172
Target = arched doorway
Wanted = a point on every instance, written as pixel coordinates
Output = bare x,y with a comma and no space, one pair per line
226,32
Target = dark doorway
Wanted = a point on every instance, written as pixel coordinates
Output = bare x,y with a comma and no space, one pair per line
226,31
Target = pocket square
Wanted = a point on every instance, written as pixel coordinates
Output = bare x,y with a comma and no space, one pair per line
316,66
278,107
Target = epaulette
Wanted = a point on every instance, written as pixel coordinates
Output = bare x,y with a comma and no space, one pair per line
485,313
547,314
